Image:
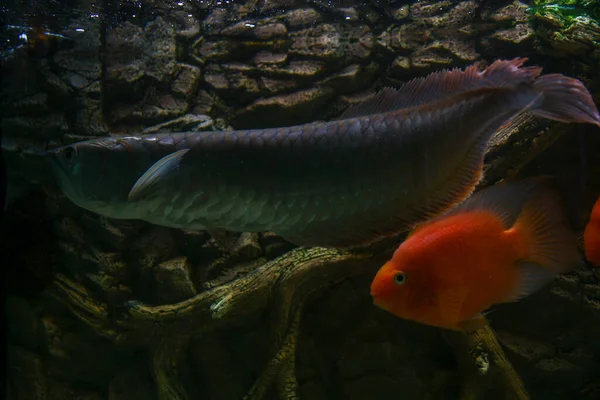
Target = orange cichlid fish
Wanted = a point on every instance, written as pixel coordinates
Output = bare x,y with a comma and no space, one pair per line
591,236
500,245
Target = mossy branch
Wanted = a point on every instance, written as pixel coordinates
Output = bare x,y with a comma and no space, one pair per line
482,360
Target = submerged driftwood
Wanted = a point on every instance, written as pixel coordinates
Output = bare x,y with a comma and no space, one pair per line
285,283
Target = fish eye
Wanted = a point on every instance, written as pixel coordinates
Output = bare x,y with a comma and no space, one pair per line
69,153
399,278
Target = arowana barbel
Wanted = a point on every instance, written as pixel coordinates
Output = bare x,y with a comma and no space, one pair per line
398,158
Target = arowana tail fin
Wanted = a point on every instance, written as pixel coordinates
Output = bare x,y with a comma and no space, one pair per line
566,100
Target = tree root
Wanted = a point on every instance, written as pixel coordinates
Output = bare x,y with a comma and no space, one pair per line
304,269
281,367
281,285
478,352
286,282
167,362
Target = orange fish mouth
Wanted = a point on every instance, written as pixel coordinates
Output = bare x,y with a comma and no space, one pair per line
377,291
378,304
378,286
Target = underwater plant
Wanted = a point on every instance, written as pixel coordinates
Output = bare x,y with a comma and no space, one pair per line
571,27
567,10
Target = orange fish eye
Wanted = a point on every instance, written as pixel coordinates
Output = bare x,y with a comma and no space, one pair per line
399,278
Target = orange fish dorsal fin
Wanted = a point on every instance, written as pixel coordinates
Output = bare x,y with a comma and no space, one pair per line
445,83
531,279
505,200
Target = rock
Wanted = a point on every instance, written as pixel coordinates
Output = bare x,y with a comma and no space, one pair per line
156,246
104,269
185,24
401,13
132,383
301,17
531,350
113,234
187,80
289,109
35,105
23,323
204,103
56,86
401,63
274,245
173,281
26,374
297,69
267,57
224,375
270,5
110,286
130,47
260,32
140,62
60,390
49,126
322,41
192,243
248,246
514,12
443,53
273,86
349,14
160,108
91,116
375,387
521,35
76,356
312,390
230,83
81,69
360,358
427,9
215,21
567,32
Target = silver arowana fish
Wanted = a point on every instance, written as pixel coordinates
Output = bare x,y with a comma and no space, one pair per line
398,158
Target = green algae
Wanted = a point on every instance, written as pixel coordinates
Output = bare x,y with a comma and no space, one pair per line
571,27
568,12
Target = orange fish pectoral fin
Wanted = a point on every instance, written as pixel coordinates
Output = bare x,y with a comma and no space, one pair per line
531,278
450,304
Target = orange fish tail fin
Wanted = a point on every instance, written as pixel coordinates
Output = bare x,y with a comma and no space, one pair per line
550,242
566,100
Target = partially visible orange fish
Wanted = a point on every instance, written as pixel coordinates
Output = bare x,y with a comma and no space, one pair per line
500,245
591,236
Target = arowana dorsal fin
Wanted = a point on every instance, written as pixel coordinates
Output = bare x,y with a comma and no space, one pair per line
445,83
